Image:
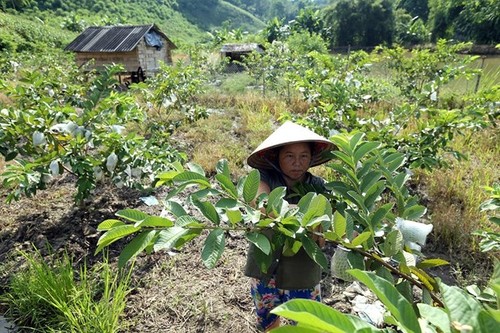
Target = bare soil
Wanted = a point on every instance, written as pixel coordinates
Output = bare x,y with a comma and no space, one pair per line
172,292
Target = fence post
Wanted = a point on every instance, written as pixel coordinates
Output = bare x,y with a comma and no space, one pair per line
479,75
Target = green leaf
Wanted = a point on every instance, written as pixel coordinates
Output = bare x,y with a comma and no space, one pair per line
251,186
196,168
203,193
190,177
109,224
373,193
358,200
191,234
187,221
155,221
380,214
344,158
462,308
369,180
136,246
213,248
331,236
397,304
400,179
177,166
487,321
227,185
133,215
394,161
342,143
10,156
226,203
414,212
393,243
355,139
166,177
429,263
222,168
114,234
294,329
167,238
339,224
305,202
291,247
318,207
349,173
260,240
340,188
175,208
314,251
234,216
363,149
208,210
321,317
275,200
361,238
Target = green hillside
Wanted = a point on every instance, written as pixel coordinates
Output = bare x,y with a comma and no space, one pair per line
20,33
185,22
223,13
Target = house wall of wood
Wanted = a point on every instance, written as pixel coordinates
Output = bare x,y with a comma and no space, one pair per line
146,57
130,60
150,58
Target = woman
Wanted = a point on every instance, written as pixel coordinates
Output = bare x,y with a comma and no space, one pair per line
283,159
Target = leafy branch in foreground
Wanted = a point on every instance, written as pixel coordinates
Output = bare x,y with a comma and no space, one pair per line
364,212
461,311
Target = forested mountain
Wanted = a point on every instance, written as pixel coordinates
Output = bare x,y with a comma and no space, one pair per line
339,23
183,20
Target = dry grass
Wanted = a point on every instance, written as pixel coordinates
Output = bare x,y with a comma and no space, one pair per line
2,164
455,193
239,124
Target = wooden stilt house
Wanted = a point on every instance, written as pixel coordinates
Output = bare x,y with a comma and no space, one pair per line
140,49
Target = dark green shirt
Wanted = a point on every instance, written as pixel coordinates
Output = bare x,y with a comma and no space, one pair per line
291,272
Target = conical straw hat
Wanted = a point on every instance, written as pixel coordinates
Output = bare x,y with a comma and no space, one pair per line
289,133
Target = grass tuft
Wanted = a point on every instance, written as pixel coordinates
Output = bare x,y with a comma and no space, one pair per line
51,297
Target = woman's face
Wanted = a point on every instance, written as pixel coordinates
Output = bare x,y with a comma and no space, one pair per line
294,160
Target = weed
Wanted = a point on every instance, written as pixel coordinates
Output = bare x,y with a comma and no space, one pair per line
237,83
49,296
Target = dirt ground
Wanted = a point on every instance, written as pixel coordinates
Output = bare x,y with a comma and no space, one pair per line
172,292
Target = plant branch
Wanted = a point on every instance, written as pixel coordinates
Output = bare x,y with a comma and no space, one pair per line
392,269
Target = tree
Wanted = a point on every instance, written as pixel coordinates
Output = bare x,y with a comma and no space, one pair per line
479,21
361,22
18,5
439,20
418,8
410,30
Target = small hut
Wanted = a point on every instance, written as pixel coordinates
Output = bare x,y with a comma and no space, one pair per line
140,49
236,53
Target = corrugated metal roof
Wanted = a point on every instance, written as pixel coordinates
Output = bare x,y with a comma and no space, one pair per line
248,47
112,38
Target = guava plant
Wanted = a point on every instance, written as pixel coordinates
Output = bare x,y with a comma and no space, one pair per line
343,96
359,213
471,310
53,126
